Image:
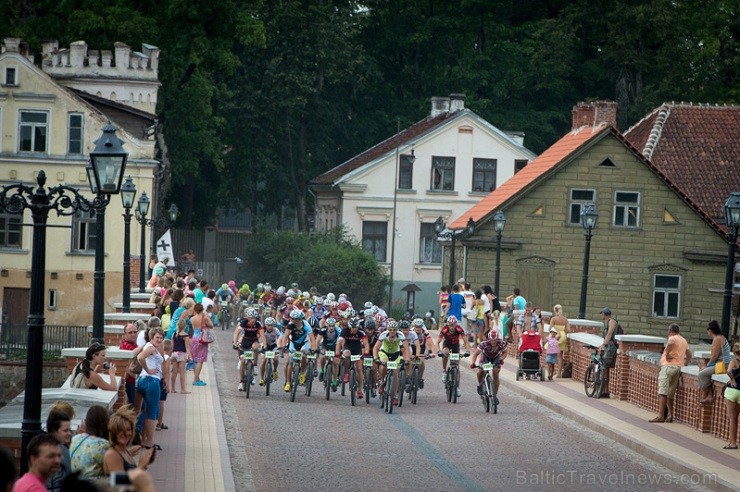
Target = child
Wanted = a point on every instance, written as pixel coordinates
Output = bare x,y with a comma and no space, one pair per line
552,351
167,347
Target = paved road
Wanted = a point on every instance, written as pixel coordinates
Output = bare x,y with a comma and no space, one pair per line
314,444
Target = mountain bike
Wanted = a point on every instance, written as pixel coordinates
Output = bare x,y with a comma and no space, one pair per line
386,399
594,377
453,376
295,363
269,367
489,397
402,381
413,384
248,359
353,386
310,366
367,383
225,315
328,371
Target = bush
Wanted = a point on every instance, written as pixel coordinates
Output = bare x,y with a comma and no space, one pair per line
329,261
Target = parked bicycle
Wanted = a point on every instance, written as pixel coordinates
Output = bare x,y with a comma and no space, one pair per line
593,379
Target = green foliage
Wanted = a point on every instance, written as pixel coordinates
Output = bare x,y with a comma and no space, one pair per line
327,261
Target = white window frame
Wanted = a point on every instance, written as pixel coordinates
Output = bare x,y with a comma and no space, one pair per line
33,126
667,293
430,249
71,129
83,223
573,202
625,209
441,166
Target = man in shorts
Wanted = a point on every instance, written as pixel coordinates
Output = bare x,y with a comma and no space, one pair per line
675,355
492,350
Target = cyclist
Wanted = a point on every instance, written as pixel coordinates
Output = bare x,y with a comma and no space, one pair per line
224,294
411,337
327,340
247,336
426,342
352,341
297,336
448,341
272,337
390,346
492,350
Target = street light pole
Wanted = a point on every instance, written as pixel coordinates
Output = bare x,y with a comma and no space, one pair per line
142,207
732,221
128,193
589,215
440,227
499,221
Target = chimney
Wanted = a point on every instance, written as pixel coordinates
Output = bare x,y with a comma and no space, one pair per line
457,102
77,53
440,105
123,52
153,53
594,114
12,45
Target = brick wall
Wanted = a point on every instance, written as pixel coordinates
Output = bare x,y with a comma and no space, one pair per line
13,376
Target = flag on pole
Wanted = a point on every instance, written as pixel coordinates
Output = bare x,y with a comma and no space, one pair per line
165,250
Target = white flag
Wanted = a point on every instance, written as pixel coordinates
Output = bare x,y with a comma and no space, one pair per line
165,250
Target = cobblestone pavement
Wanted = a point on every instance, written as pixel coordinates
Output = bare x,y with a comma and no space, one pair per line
314,444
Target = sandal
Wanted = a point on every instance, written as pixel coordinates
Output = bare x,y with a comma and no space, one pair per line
730,447
657,420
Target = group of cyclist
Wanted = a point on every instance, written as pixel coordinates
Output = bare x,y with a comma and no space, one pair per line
302,321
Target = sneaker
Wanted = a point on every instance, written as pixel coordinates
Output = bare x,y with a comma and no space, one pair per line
275,376
286,388
241,386
346,377
199,383
480,390
321,376
334,386
315,373
421,383
360,395
495,399
262,382
254,380
444,378
373,393
459,394
302,378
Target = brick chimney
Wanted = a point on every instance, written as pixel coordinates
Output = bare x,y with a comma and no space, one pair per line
595,113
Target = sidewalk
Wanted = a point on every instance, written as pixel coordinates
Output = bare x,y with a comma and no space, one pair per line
194,456
675,446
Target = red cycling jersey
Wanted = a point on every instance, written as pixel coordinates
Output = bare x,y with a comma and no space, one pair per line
452,336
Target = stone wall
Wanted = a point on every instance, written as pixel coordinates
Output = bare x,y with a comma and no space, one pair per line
13,376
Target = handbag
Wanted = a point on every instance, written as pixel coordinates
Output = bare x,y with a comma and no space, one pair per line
719,367
206,336
134,367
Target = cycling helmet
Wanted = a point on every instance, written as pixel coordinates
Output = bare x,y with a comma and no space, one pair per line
333,305
231,283
224,286
404,325
331,321
297,314
281,290
260,286
289,300
330,297
269,320
252,313
343,306
370,324
345,314
418,322
306,294
368,312
392,324
451,319
375,309
493,334
368,305
319,301
355,323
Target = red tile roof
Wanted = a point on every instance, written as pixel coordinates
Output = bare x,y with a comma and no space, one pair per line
383,147
544,163
697,147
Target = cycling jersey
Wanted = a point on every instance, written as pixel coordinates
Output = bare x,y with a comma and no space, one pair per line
452,336
491,349
391,346
250,333
353,341
271,337
299,335
329,338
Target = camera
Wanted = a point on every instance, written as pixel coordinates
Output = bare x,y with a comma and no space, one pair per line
119,478
106,365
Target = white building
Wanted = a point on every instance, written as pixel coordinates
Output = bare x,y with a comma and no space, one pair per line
438,167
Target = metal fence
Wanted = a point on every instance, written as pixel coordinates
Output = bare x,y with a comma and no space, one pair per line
14,340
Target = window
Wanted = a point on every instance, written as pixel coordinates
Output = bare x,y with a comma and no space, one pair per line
74,132
374,238
484,175
405,173
443,173
626,209
10,76
666,296
579,198
33,131
520,164
430,250
83,231
10,230
52,299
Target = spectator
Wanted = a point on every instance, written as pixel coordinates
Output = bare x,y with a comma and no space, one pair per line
44,459
188,257
561,324
528,322
167,354
7,470
180,357
720,352
120,455
65,407
58,424
142,331
152,264
553,352
732,395
184,311
609,348
149,385
456,303
198,350
86,374
495,323
128,342
89,447
515,302
675,354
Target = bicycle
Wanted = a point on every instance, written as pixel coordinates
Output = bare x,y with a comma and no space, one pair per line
310,365
413,386
489,397
453,376
401,383
269,356
328,371
295,363
248,359
386,399
225,317
593,379
367,371
353,386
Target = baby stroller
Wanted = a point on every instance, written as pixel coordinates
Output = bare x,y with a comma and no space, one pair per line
529,365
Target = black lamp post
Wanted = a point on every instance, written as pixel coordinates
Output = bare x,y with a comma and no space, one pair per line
142,207
444,233
128,193
589,215
66,201
732,221
499,221
108,163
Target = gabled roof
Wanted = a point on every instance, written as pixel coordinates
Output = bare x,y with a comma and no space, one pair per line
134,121
559,152
697,147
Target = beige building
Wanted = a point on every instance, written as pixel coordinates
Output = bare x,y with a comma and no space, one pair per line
51,125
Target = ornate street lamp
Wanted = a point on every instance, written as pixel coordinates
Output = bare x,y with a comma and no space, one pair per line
499,221
444,233
128,193
142,208
732,221
589,216
65,201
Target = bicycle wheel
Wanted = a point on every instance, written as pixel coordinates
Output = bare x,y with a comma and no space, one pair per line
342,370
492,392
401,385
414,385
366,383
328,373
248,375
389,393
448,384
309,377
592,381
294,385
352,385
455,384
268,376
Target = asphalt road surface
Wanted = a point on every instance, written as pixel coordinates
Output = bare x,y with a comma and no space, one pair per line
315,444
